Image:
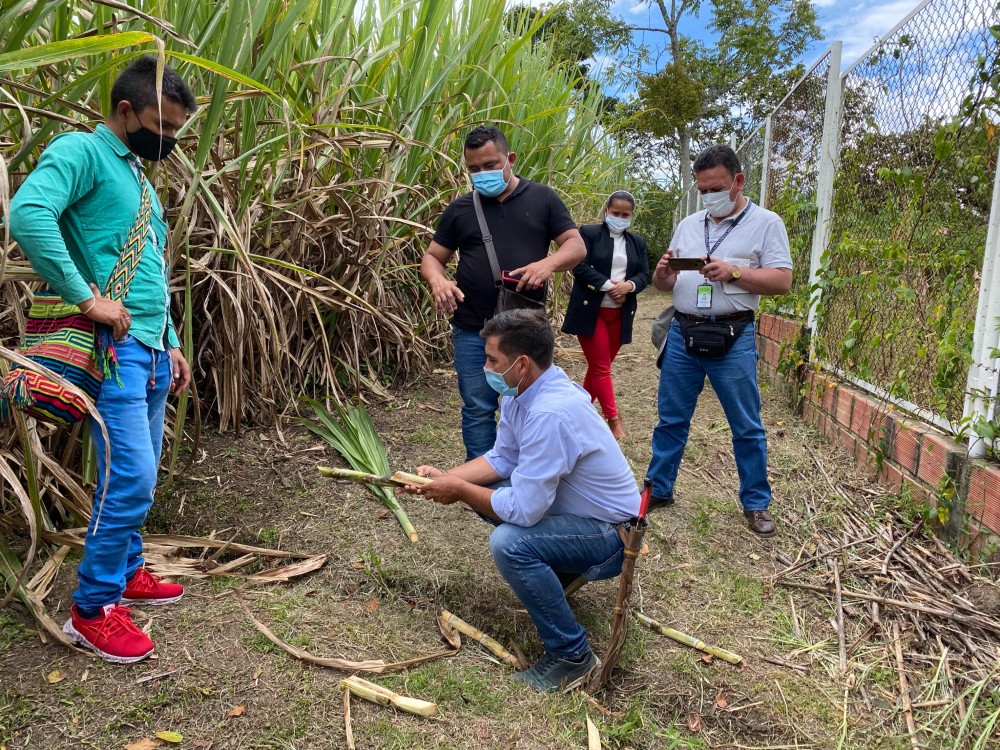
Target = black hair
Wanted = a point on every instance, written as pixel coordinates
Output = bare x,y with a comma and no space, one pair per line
137,85
621,195
714,156
523,332
480,136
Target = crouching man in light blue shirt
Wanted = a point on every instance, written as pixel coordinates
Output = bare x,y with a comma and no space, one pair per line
570,490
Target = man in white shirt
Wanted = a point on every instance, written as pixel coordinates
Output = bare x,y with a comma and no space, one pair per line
745,252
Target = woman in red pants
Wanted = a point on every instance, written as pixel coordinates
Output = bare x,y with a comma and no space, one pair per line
602,304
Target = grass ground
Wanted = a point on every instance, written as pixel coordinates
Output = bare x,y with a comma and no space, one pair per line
378,595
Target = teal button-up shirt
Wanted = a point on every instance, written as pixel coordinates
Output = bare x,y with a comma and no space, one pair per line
73,215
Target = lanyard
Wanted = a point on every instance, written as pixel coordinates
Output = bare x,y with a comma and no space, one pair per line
709,251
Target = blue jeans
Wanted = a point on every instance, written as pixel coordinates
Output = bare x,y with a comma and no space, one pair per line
479,401
134,419
734,379
531,560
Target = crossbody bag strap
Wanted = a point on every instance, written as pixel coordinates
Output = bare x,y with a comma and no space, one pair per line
128,262
487,237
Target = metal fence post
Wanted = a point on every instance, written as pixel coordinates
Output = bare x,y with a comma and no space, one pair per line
765,162
982,383
829,151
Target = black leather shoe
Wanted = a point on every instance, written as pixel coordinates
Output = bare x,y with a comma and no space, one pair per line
659,502
760,522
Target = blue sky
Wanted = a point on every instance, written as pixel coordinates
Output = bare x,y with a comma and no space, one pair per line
857,23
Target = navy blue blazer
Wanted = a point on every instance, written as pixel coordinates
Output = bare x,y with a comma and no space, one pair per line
591,274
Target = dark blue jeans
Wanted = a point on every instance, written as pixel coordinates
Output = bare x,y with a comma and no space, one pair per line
479,401
134,418
531,560
734,380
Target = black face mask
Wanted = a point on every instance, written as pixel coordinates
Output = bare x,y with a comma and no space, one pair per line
149,145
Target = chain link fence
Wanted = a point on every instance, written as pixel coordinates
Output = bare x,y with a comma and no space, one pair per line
911,204
916,155
792,164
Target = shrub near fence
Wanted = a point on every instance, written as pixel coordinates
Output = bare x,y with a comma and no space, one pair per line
911,206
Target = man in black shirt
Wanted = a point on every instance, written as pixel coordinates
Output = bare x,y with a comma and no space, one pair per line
524,218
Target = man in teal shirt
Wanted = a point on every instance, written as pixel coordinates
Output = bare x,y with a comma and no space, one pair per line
71,218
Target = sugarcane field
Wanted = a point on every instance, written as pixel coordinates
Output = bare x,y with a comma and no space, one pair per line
499,374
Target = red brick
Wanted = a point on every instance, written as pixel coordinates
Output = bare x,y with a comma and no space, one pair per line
847,440
906,445
938,457
891,476
765,325
820,421
808,410
845,401
829,397
865,410
991,514
984,480
864,454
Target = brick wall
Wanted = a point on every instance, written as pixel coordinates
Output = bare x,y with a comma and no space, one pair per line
917,459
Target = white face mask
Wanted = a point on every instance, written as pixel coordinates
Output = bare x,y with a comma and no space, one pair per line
617,224
719,204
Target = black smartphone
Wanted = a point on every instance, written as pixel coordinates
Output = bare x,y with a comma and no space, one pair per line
686,264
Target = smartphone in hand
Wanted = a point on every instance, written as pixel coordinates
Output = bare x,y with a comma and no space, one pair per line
686,264
508,280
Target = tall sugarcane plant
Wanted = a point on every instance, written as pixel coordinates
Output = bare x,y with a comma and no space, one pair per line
354,437
327,140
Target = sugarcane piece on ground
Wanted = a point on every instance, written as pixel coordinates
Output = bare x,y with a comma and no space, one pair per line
481,638
385,697
688,640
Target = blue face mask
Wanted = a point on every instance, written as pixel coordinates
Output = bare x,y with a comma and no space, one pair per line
490,183
498,384
617,224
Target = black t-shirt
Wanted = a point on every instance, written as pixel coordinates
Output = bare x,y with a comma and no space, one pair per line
523,226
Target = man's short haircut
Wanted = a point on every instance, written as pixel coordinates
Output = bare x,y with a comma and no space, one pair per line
484,134
523,332
715,156
137,85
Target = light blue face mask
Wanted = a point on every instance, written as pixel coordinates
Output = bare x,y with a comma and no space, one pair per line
489,183
617,224
498,384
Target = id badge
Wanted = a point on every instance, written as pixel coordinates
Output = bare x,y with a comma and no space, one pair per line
704,296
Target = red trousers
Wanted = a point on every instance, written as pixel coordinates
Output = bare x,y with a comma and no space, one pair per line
600,351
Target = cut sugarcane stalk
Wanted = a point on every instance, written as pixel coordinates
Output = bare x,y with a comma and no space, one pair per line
481,638
362,477
385,697
688,640
399,479
414,480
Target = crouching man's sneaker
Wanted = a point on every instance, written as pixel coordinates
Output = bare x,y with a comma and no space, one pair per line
145,588
550,673
112,636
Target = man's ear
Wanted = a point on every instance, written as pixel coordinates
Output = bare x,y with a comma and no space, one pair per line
511,158
123,108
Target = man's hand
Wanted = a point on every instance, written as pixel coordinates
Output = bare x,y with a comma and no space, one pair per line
534,275
180,372
446,489
718,270
107,311
446,294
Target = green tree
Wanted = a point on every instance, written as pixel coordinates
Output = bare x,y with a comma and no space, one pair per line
708,92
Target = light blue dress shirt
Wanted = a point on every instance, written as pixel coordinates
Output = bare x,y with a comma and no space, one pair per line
560,457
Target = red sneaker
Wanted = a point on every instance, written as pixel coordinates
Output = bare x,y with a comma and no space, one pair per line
145,588
112,636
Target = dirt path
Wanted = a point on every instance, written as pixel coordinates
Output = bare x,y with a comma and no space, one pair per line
378,595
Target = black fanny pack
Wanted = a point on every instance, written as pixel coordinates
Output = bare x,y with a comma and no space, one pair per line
711,339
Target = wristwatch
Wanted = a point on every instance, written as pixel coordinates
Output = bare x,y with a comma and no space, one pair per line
735,273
